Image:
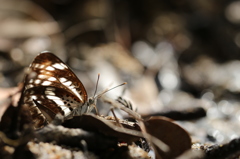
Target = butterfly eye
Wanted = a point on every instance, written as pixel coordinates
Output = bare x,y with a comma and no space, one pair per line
90,101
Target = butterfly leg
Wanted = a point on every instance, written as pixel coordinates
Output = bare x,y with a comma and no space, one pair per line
95,107
91,107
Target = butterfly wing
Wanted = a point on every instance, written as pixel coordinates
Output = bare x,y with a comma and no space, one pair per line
50,88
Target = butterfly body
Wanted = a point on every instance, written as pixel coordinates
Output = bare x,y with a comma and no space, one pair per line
50,87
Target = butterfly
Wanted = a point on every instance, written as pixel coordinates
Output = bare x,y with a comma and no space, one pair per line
51,87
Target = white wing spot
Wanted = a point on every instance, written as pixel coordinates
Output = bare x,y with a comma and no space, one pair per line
65,66
68,83
50,93
58,66
37,81
62,79
59,102
66,110
50,68
42,71
53,97
48,72
34,97
41,76
52,79
75,92
71,87
40,102
36,65
41,66
46,83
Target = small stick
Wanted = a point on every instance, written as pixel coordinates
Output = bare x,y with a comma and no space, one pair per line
117,121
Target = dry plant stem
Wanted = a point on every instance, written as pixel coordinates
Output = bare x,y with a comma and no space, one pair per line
149,138
117,121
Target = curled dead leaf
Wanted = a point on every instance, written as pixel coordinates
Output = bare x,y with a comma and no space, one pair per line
171,134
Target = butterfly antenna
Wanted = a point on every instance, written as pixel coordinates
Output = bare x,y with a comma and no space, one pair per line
96,85
105,91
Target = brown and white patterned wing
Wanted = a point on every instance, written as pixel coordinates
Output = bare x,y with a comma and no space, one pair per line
50,88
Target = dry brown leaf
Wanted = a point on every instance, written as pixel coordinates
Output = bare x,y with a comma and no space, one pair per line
95,123
171,134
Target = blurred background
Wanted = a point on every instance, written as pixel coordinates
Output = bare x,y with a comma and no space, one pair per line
174,55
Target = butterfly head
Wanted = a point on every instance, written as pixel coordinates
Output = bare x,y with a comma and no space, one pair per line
92,101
